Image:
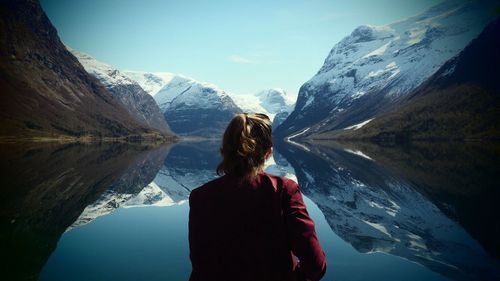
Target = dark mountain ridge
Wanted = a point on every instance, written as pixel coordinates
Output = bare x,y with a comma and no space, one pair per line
45,92
138,103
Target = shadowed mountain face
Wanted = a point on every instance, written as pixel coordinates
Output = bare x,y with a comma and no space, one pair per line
141,105
378,210
137,102
45,188
190,107
200,110
44,89
460,101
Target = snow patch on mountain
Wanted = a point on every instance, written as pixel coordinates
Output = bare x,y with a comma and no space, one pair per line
106,73
273,102
191,93
190,107
359,153
176,89
359,125
250,104
137,102
151,82
179,91
410,50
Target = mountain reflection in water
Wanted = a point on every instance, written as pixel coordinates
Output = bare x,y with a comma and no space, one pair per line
45,188
429,204
186,166
377,209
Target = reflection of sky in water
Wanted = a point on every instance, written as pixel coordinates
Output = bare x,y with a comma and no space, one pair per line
128,244
151,244
121,242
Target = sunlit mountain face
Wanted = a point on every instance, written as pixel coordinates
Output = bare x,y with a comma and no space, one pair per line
374,66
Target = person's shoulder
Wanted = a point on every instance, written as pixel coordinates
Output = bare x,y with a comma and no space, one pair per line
204,189
288,184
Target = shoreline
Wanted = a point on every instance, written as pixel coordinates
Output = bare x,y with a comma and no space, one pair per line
147,139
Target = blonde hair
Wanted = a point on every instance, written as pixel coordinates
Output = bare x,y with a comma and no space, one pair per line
246,141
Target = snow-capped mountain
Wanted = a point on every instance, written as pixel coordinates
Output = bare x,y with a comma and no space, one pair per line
190,107
199,109
273,102
468,84
374,65
151,82
138,103
376,211
191,93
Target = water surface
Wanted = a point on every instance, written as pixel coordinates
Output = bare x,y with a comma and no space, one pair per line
120,212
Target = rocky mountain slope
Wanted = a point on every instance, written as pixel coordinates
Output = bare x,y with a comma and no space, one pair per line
45,92
138,103
373,66
460,101
189,106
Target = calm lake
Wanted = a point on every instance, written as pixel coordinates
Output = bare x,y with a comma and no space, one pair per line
120,211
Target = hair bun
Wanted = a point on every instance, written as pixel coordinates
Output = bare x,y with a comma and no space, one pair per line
246,141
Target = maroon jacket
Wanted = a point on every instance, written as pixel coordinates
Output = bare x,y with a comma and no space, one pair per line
252,231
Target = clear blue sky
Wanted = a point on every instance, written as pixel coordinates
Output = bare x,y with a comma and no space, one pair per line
241,46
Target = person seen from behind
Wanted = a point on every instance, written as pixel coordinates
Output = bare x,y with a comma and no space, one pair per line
248,224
